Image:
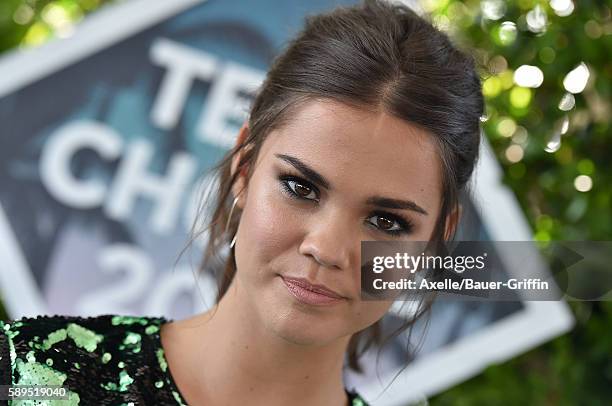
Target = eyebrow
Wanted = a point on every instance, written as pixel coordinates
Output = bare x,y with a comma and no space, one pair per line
379,201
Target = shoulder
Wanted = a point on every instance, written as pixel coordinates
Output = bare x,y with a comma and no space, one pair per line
109,356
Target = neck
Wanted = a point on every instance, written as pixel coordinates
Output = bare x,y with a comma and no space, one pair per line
236,360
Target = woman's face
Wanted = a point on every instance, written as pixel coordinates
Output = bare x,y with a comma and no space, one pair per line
317,190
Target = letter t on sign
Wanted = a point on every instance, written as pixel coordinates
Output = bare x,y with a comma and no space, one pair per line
183,65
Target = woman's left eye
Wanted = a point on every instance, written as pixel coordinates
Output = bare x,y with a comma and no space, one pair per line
390,225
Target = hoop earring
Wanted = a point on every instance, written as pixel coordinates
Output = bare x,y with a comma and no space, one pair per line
228,222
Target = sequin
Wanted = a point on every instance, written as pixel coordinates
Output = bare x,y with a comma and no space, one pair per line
54,338
75,352
106,357
30,356
161,359
131,338
177,397
128,320
124,381
83,337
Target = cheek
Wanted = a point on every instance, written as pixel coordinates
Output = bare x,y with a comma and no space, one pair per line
368,312
268,227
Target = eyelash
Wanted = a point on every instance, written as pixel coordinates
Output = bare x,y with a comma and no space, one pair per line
406,225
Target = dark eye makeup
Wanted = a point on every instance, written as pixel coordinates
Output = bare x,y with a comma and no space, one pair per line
291,184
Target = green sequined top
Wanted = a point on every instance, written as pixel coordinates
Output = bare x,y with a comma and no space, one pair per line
101,360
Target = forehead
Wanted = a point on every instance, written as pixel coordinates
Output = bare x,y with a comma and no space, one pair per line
362,151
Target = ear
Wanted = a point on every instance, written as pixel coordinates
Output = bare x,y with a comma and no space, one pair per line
452,221
239,187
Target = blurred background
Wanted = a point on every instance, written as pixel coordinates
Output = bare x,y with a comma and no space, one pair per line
547,80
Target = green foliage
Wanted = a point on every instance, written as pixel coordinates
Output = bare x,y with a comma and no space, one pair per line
26,23
522,123
555,160
574,369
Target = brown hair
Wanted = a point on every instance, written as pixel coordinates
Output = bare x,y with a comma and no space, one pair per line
373,55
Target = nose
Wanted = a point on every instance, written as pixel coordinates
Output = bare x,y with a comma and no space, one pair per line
330,241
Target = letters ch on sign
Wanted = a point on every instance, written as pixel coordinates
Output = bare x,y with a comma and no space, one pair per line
225,102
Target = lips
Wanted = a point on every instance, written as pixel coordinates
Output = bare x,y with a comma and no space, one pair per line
310,293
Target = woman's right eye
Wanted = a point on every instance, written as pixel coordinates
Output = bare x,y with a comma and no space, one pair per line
299,188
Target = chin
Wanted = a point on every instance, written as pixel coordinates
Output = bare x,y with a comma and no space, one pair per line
301,328
305,337
295,322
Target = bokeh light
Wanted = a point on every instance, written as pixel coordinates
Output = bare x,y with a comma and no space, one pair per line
528,76
536,20
576,80
514,153
583,183
562,8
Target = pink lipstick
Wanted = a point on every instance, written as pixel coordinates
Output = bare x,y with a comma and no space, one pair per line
311,294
